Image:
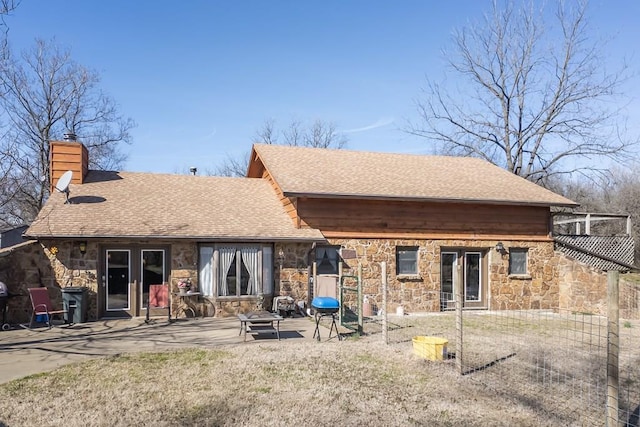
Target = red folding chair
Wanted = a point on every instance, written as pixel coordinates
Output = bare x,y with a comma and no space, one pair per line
41,306
158,298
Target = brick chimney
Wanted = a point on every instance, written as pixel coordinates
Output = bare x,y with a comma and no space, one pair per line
68,155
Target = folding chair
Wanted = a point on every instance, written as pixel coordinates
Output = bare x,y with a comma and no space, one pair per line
41,306
158,298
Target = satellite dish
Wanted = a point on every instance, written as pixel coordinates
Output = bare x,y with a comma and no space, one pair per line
63,184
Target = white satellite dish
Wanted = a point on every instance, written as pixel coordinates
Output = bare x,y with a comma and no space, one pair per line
63,183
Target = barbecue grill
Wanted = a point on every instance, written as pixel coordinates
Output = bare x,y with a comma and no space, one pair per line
323,307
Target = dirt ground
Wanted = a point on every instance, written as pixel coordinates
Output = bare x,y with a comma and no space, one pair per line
521,370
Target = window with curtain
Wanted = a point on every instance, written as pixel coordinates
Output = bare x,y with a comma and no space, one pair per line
235,270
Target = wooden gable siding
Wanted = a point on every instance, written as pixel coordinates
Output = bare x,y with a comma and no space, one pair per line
289,203
257,170
341,218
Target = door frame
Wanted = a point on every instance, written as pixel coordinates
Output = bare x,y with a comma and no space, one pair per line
459,277
135,279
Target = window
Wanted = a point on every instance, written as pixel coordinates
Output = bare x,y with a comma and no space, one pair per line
235,270
472,276
518,261
406,260
327,260
448,275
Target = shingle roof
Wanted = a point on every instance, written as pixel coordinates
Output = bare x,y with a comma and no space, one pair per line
343,173
126,204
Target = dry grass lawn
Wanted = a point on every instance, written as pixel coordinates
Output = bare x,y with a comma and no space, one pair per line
356,382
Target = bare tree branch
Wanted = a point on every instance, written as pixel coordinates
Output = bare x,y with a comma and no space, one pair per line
46,95
319,134
533,101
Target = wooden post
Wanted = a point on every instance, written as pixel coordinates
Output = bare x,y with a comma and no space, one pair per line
613,347
459,304
339,285
385,324
360,318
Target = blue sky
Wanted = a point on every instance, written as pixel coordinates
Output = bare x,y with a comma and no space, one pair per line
200,77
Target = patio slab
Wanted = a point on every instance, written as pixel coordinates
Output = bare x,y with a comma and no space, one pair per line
25,352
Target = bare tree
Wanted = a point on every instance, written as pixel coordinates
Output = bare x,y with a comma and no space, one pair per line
533,100
618,192
319,134
46,95
6,7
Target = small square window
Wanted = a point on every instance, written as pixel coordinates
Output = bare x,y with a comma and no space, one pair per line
407,260
327,259
518,261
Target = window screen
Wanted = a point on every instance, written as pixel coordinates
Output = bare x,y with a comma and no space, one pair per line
406,260
518,261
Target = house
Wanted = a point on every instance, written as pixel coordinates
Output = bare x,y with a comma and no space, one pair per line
299,219
11,236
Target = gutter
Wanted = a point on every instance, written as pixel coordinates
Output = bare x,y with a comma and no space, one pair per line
426,199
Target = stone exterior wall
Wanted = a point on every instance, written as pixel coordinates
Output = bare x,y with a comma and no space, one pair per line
50,264
553,280
583,289
536,290
421,293
291,276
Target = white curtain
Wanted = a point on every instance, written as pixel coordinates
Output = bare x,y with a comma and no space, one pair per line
250,259
226,258
206,270
267,270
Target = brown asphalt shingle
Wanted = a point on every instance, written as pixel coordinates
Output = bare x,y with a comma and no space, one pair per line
114,204
359,174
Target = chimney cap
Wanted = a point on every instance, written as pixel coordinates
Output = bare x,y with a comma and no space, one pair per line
69,136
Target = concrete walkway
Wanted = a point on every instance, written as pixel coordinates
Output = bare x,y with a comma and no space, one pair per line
25,352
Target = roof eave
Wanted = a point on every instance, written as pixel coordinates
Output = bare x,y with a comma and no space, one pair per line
427,199
194,237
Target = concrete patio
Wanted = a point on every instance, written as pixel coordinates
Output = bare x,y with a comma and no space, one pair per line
25,352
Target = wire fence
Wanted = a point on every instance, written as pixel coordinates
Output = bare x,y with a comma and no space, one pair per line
565,365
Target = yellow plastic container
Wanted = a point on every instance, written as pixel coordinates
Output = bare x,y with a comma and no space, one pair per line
430,348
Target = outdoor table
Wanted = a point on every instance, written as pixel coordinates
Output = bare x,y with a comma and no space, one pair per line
260,322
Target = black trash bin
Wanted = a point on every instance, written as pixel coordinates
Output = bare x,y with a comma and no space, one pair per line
75,304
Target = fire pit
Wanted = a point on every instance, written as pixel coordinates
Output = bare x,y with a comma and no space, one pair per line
325,306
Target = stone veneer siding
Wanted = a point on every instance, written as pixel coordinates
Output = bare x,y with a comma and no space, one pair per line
291,277
50,264
554,281
538,289
583,289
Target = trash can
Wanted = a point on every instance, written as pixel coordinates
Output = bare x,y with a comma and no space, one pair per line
74,300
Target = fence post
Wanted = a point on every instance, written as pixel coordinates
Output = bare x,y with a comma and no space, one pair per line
360,297
613,347
385,325
459,303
